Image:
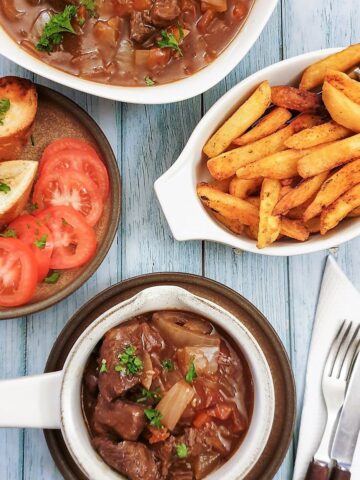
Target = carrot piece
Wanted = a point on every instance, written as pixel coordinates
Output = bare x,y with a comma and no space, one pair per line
200,419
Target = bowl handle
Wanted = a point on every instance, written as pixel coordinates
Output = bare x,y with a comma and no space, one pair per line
31,402
187,218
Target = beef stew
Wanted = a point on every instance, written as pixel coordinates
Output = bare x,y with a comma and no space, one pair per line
167,396
125,42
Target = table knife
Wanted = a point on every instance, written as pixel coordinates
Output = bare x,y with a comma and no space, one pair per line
348,428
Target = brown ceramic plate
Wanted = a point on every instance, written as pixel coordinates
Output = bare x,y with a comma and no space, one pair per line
58,117
285,397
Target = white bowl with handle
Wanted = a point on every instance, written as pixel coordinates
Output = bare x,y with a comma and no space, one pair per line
167,93
176,189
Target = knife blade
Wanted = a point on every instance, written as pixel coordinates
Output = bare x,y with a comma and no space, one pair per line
348,428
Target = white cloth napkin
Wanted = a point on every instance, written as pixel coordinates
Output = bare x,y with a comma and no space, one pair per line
338,300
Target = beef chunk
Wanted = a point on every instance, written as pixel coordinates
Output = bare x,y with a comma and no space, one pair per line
164,452
125,419
132,459
113,384
140,26
164,11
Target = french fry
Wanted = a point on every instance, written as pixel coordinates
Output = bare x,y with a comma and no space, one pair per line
295,99
297,213
226,164
250,111
300,194
277,166
313,225
228,206
328,156
343,83
355,212
251,232
243,188
271,123
335,186
343,110
222,185
233,225
294,229
317,135
254,201
331,216
314,75
269,224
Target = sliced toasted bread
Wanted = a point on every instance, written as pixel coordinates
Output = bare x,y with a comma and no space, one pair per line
16,123
16,180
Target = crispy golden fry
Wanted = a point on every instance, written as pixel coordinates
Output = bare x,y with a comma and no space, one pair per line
269,224
285,189
343,83
355,213
254,201
233,225
250,111
313,225
222,185
295,99
317,135
337,211
243,188
328,156
251,232
314,75
300,194
335,186
269,124
343,110
297,213
277,166
226,164
294,229
228,206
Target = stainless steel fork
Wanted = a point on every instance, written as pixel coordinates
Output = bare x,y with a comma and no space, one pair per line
334,381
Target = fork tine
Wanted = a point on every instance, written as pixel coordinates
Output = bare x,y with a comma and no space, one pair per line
343,348
350,355
334,349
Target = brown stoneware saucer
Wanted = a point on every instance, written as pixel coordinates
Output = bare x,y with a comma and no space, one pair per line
266,337
58,117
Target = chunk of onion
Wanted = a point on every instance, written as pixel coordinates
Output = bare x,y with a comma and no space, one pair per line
179,335
174,403
141,57
205,359
218,5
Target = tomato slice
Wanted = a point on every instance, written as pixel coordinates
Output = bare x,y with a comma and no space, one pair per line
74,240
82,162
71,188
66,143
18,272
37,236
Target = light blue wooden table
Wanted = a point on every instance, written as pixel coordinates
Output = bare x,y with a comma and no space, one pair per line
146,141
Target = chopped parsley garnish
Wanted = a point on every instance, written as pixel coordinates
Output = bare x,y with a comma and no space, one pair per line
54,29
154,417
33,207
4,187
168,40
168,364
103,368
129,363
9,233
149,81
191,373
89,5
181,450
149,395
4,108
41,242
52,277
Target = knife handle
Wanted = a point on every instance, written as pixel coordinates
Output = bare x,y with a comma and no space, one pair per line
318,471
340,474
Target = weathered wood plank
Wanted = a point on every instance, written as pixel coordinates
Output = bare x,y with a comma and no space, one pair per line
263,280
